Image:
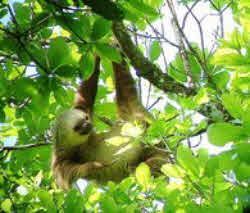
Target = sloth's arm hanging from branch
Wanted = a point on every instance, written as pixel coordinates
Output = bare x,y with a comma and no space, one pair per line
144,67
129,106
88,88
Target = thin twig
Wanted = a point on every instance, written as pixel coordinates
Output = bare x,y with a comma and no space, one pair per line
179,36
200,31
149,93
106,120
23,147
154,103
188,12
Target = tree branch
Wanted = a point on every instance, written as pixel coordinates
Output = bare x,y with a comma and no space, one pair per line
144,67
23,147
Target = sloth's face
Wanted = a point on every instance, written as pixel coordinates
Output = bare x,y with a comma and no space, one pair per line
83,126
73,127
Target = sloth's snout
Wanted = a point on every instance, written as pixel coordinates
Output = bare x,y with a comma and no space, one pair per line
83,128
86,127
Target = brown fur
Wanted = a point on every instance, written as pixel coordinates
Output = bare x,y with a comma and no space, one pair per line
97,156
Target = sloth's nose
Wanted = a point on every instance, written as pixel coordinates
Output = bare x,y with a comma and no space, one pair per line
83,128
86,127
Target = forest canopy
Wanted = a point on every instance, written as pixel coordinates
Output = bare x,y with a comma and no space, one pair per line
193,77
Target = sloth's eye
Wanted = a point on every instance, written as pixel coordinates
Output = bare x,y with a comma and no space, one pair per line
87,117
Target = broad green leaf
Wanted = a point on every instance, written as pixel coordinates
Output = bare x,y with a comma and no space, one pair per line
6,205
228,160
219,4
108,204
42,19
24,87
100,28
38,54
66,70
61,95
73,202
211,167
59,53
202,97
170,112
243,172
231,59
46,32
172,170
233,103
176,70
22,14
2,115
82,26
158,128
3,83
127,184
221,79
202,158
87,63
128,129
47,200
143,175
155,50
105,109
186,159
141,6
243,151
154,3
108,51
221,133
3,12
131,13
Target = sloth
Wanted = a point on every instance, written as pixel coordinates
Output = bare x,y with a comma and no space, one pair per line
80,152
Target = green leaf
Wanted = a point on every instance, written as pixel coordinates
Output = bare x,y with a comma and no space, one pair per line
243,172
73,202
202,97
82,26
22,14
3,12
66,70
100,28
47,200
176,70
108,51
221,133
228,160
221,79
143,175
24,87
46,32
172,170
186,159
154,3
6,205
155,50
2,115
3,83
87,63
144,8
243,150
59,53
233,103
108,204
211,167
